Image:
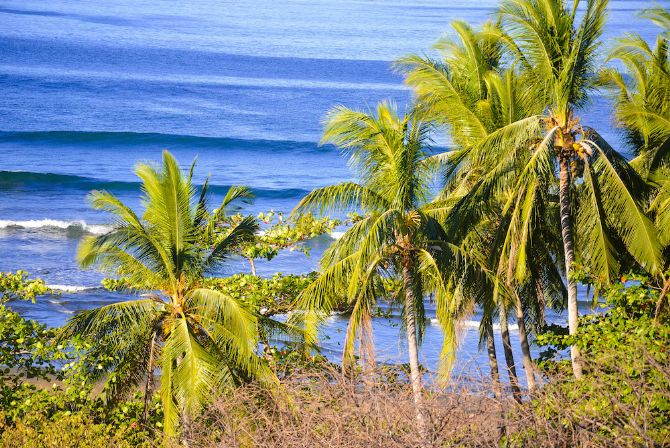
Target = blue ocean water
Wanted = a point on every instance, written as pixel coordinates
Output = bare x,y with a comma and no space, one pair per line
89,88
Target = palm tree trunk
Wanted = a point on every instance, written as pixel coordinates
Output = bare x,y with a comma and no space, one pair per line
493,360
525,347
412,346
659,302
569,254
495,377
509,355
149,386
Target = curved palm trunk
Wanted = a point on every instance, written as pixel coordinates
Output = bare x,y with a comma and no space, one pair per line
412,346
661,297
493,360
509,355
525,347
569,254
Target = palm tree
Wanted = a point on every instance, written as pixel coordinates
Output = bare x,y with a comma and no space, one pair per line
642,98
557,56
199,338
550,156
474,95
399,237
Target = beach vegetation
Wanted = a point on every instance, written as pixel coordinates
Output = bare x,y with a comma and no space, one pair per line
527,202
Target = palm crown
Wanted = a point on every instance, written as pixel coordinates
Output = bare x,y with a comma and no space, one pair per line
200,338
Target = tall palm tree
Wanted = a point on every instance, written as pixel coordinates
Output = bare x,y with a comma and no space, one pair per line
399,237
557,53
642,98
199,338
551,155
473,94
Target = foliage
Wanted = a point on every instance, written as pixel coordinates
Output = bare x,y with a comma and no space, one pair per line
18,286
24,350
627,356
283,233
72,430
267,296
44,382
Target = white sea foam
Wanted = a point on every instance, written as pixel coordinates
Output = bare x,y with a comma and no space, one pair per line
72,288
336,235
55,225
475,324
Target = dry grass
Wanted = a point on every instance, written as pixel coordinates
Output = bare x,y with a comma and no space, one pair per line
331,410
326,409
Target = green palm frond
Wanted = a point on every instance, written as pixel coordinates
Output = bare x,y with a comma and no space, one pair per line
598,250
197,371
624,209
114,320
660,206
360,321
241,232
339,198
660,16
236,193
215,306
643,100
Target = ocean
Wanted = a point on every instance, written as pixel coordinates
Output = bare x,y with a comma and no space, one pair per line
89,88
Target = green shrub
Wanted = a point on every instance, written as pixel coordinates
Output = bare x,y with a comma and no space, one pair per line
624,397
73,430
47,384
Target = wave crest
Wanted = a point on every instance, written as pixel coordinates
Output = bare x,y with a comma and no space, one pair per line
57,226
71,289
27,179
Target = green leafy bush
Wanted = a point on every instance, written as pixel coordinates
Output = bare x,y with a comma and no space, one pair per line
624,397
69,430
18,286
269,296
48,385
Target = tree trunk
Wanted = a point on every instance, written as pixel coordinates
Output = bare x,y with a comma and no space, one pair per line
525,347
252,263
493,360
412,346
509,355
569,254
659,302
149,386
495,378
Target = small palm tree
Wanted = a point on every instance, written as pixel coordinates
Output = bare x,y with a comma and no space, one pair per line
199,338
399,237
